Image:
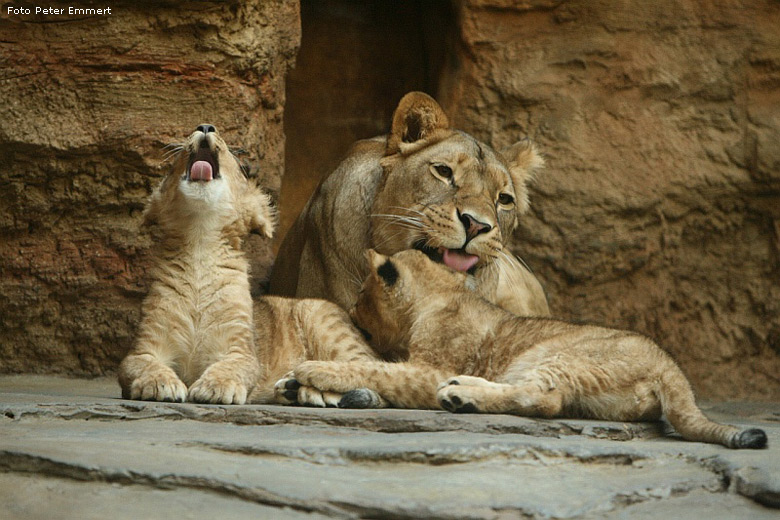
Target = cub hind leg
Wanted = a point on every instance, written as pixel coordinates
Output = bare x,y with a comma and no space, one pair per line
530,399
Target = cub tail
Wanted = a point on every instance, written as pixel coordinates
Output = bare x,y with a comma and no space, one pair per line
679,406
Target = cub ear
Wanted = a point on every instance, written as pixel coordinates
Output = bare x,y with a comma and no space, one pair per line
383,267
523,161
375,259
262,217
417,116
151,215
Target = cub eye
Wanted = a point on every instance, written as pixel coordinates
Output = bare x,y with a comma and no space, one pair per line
443,170
506,199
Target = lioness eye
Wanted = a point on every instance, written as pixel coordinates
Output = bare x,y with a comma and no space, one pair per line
506,199
443,170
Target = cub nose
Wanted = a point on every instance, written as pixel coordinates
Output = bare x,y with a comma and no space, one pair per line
473,226
206,128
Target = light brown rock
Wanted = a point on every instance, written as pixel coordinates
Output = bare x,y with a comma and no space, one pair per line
660,207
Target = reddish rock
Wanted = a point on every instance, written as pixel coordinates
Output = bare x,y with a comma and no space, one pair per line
89,103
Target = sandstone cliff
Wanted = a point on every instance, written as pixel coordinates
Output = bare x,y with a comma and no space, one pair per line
660,207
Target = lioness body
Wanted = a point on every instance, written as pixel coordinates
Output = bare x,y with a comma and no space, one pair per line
201,337
424,186
464,354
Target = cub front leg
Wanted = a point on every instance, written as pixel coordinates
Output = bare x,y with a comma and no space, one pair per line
289,391
402,385
228,381
145,377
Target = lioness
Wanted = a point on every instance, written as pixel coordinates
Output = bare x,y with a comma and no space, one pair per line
527,366
425,186
201,338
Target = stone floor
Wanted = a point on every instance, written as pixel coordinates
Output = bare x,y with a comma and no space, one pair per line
72,449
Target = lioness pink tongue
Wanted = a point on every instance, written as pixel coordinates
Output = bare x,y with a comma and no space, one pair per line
458,261
200,171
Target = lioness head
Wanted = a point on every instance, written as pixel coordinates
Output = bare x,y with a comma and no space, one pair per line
445,193
393,285
207,189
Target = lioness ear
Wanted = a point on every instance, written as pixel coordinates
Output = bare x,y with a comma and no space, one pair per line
417,116
523,162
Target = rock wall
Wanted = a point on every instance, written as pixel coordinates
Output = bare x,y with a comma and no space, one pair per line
88,103
659,210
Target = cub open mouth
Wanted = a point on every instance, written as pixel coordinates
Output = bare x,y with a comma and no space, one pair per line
203,166
456,259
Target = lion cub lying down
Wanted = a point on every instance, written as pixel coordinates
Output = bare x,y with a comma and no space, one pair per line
526,366
201,338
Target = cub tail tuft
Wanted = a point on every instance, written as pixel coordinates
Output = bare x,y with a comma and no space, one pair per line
753,438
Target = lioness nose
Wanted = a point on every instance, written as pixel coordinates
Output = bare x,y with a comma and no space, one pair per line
206,128
473,226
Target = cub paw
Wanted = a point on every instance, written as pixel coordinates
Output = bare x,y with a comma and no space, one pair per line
217,391
452,399
362,398
159,387
310,396
286,390
465,381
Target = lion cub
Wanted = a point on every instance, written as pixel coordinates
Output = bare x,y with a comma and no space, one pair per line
201,338
526,366
196,339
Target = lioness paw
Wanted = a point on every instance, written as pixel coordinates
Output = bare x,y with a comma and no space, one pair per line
457,399
217,391
158,387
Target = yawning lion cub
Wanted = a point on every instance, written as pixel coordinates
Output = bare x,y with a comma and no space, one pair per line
196,339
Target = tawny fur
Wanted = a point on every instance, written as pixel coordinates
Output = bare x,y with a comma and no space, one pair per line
464,354
389,194
201,338
291,331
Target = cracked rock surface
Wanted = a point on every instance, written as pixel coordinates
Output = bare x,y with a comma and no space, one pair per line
72,448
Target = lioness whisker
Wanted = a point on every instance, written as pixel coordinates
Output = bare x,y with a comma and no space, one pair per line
411,210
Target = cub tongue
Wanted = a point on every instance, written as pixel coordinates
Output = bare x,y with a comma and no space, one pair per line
200,171
458,260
